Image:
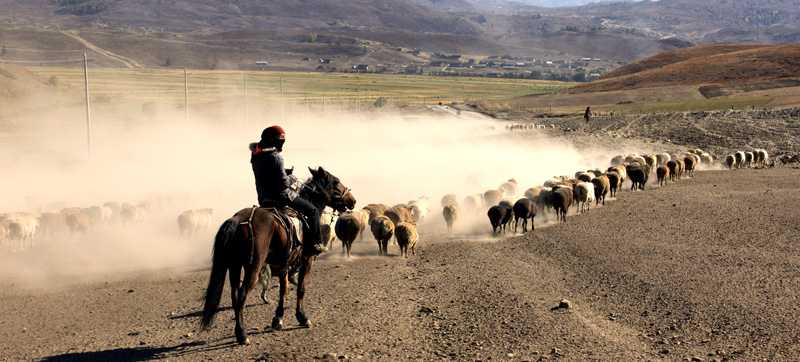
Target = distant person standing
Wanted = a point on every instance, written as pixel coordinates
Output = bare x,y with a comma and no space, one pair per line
587,114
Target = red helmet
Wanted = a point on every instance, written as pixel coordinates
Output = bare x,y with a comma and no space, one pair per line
273,133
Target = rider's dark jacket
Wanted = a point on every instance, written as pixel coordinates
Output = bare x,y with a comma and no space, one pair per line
272,182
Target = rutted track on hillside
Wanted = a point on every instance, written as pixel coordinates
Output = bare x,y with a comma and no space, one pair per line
127,62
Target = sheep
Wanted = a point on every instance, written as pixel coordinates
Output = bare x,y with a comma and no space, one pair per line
620,170
492,197
672,167
375,210
51,223
681,167
562,199
509,201
748,159
326,224
115,209
499,216
473,203
407,237
449,199
730,161
363,218
706,159
20,227
662,172
70,210
584,195
662,159
601,187
524,209
614,182
617,160
761,157
651,160
638,175
421,209
533,192
78,222
347,228
382,229
545,198
585,177
3,234
190,222
400,213
690,162
739,156
552,182
450,214
509,187
133,214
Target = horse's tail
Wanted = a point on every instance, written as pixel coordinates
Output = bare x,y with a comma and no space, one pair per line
219,269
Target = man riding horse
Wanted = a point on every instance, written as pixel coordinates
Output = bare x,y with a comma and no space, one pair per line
274,183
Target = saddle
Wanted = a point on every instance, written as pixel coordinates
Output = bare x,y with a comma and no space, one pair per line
293,224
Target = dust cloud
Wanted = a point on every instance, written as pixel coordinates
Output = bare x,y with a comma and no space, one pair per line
173,165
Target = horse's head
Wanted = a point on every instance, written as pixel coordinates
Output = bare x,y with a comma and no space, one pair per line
338,196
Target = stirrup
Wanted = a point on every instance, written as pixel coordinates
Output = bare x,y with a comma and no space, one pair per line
319,248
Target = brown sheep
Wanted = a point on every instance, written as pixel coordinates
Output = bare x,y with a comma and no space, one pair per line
191,222
449,199
450,213
662,172
562,199
492,197
509,187
382,229
601,186
78,222
407,237
524,209
672,167
400,213
614,182
52,223
375,210
690,162
347,229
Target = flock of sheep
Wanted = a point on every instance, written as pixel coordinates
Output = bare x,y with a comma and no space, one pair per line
19,230
504,204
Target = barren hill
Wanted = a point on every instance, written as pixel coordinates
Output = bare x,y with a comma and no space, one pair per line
704,65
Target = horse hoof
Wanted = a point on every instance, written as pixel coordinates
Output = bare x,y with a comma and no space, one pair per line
277,324
305,324
246,341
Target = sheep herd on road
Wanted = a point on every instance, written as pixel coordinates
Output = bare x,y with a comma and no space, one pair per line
18,230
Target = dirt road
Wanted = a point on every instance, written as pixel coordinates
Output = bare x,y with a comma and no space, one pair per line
703,269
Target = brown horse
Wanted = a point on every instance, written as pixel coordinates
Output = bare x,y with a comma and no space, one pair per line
254,237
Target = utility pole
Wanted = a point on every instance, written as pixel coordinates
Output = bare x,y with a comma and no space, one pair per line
88,114
281,80
244,77
186,93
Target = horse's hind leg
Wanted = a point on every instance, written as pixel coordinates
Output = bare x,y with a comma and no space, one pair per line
277,321
305,269
238,307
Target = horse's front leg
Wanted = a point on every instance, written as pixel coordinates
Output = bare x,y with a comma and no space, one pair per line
305,269
277,321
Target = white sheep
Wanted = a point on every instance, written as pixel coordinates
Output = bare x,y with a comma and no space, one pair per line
421,209
584,195
509,187
473,203
449,199
662,159
21,227
190,222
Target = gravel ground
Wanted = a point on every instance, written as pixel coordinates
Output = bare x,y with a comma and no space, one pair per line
703,269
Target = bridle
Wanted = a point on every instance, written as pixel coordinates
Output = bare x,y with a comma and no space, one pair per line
335,197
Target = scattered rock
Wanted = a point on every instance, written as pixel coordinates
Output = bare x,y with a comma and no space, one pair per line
566,304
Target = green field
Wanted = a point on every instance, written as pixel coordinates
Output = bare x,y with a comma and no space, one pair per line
167,85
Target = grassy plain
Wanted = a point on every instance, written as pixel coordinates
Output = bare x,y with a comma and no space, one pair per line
167,85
